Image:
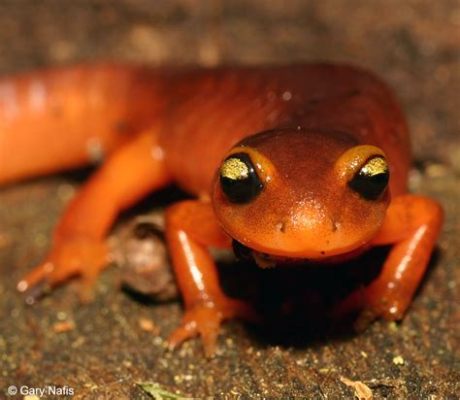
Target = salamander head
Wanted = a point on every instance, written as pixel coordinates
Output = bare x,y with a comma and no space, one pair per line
298,194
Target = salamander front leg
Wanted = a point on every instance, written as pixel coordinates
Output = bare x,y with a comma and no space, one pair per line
78,246
191,228
412,225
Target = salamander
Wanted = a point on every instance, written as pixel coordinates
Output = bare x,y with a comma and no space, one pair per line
292,163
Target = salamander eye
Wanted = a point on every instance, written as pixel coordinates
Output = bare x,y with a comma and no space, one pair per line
372,178
238,178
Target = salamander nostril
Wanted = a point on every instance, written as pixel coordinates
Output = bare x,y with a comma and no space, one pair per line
281,226
335,226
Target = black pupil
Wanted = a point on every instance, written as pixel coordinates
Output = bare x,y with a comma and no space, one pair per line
241,189
368,186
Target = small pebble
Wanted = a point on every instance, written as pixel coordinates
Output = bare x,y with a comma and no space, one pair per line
398,360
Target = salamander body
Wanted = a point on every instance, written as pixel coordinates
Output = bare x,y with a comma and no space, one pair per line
305,162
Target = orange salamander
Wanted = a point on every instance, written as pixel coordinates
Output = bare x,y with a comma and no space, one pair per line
305,162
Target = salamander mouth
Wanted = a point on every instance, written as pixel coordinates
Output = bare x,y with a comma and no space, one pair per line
263,260
266,260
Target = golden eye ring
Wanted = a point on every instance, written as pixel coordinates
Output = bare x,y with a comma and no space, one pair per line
372,178
238,178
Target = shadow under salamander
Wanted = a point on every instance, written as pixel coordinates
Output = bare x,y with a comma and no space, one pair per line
296,303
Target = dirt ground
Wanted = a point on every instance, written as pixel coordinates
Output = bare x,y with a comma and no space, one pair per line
103,349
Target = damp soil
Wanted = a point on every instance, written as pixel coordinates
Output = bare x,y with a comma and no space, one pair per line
103,349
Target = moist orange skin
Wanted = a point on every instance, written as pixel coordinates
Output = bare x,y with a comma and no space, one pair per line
308,128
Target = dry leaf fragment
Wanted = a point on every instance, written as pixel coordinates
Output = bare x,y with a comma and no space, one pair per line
63,326
157,392
362,391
